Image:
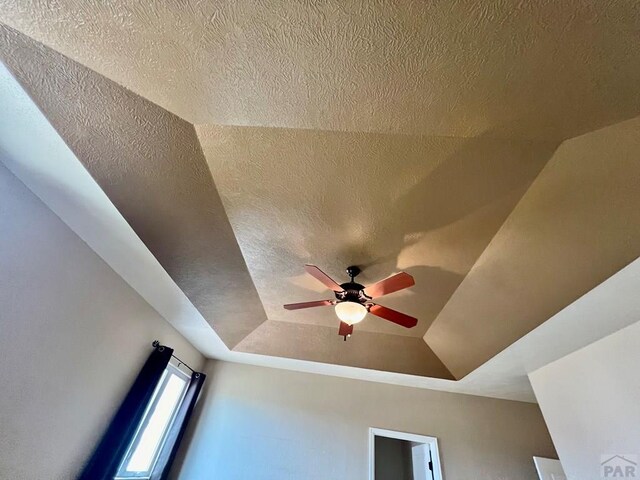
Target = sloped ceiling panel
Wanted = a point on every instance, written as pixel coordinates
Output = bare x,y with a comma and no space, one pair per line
150,164
534,69
577,225
374,351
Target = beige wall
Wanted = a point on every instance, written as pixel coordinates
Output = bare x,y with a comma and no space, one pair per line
264,424
73,335
591,402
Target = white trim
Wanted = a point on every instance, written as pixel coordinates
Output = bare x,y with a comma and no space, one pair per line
174,366
411,437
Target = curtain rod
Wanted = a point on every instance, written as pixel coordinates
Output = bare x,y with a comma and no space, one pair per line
157,344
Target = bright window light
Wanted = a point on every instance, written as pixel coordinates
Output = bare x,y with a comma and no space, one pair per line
147,442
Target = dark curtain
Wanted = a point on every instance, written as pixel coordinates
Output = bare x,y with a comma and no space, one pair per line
106,458
175,434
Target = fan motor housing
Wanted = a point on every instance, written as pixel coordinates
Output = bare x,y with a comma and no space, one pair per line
352,292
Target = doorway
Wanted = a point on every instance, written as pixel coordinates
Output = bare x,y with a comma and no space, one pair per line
549,468
403,456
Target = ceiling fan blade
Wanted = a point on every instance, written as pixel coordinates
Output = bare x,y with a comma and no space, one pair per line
393,316
318,274
317,303
392,284
345,330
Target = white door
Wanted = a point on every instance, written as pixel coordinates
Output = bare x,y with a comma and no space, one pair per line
549,469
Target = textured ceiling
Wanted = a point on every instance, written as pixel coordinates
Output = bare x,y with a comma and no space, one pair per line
425,205
577,225
38,156
534,69
149,163
397,136
365,349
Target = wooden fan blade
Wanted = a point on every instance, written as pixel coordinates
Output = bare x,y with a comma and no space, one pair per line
345,330
389,285
393,316
317,303
318,274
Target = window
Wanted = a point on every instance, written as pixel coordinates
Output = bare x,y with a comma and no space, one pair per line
143,452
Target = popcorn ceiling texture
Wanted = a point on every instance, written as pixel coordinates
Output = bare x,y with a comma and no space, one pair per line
527,69
413,130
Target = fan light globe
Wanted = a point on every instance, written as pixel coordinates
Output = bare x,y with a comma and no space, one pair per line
351,312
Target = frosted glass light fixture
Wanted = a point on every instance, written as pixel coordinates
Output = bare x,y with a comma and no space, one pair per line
351,312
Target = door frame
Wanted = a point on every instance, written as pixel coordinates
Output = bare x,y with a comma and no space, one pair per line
411,437
542,463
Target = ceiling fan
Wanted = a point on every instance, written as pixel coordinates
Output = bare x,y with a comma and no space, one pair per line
353,301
